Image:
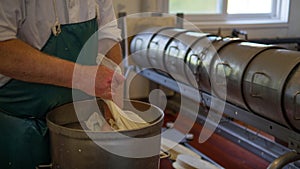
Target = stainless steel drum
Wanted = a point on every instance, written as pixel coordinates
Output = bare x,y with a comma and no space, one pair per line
200,51
264,82
292,99
206,55
176,52
233,61
139,45
158,46
220,43
72,147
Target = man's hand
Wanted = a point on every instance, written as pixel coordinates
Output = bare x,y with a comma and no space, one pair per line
97,81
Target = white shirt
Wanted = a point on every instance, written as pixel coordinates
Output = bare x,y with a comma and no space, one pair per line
32,20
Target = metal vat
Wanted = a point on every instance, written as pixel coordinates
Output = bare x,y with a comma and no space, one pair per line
74,148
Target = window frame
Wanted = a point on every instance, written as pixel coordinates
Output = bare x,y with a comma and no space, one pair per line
279,16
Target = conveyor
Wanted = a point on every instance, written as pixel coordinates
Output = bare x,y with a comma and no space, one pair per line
257,84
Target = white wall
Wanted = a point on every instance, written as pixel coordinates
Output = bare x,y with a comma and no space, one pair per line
292,29
135,6
128,6
294,24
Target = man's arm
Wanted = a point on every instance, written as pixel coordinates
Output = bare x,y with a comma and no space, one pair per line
23,62
112,50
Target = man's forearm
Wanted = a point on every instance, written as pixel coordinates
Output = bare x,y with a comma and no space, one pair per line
115,54
23,62
111,49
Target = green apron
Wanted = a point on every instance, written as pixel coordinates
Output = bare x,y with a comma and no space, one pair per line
24,141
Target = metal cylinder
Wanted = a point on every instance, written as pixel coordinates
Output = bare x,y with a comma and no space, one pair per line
72,147
158,46
292,99
264,82
139,45
233,60
176,53
206,78
198,61
261,78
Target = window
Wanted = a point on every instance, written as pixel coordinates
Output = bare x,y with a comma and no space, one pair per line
249,6
194,6
229,11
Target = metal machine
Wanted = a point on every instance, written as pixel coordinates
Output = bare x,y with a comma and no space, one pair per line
260,84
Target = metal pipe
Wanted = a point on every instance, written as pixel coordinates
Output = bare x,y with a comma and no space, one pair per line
285,159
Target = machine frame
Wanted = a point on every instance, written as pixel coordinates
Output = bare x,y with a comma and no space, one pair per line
252,141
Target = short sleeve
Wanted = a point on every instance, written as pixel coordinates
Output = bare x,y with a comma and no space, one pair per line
108,26
11,17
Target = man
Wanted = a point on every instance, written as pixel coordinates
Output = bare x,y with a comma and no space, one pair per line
40,42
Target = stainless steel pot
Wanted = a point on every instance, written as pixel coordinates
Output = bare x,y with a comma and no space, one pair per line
176,52
139,45
292,99
74,148
231,64
264,82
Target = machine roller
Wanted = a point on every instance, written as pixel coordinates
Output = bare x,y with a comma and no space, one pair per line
263,79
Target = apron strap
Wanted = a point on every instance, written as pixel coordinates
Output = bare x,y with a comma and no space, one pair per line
56,30
97,11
